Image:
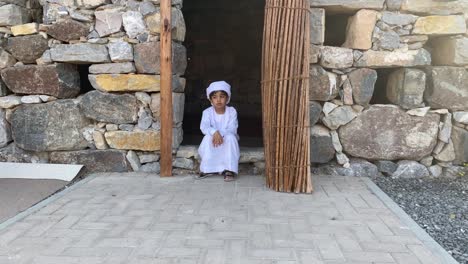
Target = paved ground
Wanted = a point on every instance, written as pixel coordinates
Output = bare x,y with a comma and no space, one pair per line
126,218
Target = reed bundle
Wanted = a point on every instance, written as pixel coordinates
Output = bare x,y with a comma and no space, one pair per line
285,95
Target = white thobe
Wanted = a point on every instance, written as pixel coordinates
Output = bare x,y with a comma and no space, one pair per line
225,156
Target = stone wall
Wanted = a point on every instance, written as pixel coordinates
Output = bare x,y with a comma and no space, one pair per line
108,119
387,96
392,98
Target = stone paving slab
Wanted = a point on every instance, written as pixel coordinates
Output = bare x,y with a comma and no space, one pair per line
137,218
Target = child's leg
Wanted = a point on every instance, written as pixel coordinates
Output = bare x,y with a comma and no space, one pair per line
231,153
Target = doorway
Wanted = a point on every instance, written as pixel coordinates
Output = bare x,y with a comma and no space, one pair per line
224,42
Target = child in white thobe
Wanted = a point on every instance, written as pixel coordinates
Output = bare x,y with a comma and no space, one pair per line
215,157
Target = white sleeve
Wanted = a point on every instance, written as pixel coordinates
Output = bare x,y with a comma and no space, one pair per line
232,125
205,125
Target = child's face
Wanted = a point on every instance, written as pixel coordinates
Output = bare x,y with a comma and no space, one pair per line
219,100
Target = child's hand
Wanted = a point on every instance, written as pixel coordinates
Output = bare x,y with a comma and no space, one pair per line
217,139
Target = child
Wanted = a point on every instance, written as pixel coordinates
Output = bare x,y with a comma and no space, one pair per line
219,149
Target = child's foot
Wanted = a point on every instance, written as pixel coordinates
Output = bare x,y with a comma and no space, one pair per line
228,176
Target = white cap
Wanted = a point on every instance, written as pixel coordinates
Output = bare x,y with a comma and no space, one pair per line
219,86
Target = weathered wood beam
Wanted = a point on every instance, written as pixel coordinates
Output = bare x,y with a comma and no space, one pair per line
166,89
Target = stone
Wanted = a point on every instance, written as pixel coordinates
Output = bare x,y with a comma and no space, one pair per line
125,82
451,51
6,60
418,111
147,8
134,161
178,84
143,98
435,7
99,140
27,48
147,158
82,53
460,145
152,167
321,145
153,22
183,163
11,15
110,108
177,136
314,54
81,15
385,40
10,101
440,25
357,168
328,108
336,57
189,152
445,128
447,88
90,4
347,6
359,30
126,127
435,170
137,140
342,159
427,161
147,58
145,120
112,68
133,23
45,59
5,131
314,112
178,100
120,51
12,153
385,132
323,85
398,19
68,30
93,160
410,170
362,82
405,87
112,127
317,26
31,99
48,127
339,117
461,117
386,167
398,58
347,92
108,22
25,29
58,80
336,142
447,153
414,38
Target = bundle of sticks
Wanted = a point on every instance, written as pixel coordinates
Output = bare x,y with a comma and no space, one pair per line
285,95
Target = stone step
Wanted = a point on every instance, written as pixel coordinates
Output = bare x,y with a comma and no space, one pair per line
247,154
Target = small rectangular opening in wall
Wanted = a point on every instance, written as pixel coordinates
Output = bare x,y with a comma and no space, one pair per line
335,29
85,85
380,90
224,42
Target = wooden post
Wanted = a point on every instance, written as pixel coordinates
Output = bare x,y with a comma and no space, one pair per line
166,89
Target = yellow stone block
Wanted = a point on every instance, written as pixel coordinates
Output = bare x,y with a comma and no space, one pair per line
440,25
25,29
126,82
138,140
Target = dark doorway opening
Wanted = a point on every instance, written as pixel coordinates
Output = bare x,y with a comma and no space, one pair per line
224,42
